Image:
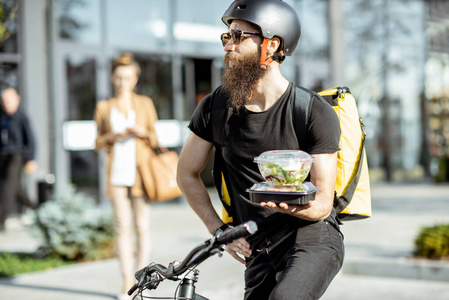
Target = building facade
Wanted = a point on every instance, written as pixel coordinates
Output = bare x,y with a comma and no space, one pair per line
58,55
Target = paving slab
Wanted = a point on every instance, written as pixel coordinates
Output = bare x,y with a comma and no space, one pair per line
378,265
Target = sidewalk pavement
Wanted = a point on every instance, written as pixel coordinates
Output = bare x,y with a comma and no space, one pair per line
378,263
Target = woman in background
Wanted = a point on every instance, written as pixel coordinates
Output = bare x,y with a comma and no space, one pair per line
125,129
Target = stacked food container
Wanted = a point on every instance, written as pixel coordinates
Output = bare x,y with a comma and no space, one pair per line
284,172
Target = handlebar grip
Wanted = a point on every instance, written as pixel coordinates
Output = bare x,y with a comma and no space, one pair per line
132,289
242,230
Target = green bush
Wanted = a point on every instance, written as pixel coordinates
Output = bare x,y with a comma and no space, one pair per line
433,242
71,226
12,264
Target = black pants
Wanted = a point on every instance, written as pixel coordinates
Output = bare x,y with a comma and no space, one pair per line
11,188
301,267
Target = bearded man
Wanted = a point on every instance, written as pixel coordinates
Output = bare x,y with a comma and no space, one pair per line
298,249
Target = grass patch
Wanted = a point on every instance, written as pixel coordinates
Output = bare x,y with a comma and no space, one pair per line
12,264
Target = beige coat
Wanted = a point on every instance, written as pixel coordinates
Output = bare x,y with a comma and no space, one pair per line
145,116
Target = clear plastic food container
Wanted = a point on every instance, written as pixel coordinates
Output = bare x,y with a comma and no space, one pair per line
284,167
264,192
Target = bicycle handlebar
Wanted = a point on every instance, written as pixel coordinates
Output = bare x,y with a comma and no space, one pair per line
199,254
237,232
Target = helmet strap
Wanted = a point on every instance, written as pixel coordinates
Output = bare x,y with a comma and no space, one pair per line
264,61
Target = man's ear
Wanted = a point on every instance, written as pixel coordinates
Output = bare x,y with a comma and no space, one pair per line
273,45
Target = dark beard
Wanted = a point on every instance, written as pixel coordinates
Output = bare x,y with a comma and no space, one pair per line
240,80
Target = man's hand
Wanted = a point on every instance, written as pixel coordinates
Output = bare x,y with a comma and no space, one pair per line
291,209
30,167
239,247
322,175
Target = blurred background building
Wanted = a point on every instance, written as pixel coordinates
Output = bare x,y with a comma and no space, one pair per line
393,54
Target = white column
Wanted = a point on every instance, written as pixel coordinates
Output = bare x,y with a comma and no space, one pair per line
60,157
35,92
337,48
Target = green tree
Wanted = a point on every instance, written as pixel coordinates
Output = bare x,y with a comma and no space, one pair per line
376,27
5,19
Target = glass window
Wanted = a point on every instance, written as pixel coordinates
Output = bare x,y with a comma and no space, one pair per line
81,75
313,46
81,86
156,82
9,75
382,58
314,23
138,24
364,61
9,18
80,20
201,12
402,30
198,26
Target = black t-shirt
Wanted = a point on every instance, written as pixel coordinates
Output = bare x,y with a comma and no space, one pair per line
248,134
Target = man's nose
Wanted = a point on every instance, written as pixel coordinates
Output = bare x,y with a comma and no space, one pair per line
230,46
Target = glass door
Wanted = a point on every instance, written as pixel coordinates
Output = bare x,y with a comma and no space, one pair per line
198,82
84,82
81,95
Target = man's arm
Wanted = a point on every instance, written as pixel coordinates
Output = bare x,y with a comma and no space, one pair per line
323,175
194,156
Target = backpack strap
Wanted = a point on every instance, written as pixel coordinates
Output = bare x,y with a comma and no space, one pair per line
220,114
301,112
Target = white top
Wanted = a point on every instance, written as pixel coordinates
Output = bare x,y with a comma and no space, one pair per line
123,171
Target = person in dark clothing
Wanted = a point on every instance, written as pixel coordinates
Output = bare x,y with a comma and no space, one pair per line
17,152
299,249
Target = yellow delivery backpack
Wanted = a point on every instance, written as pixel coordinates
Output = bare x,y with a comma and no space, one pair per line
352,199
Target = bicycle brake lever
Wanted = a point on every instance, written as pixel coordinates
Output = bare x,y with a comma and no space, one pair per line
140,276
151,284
170,271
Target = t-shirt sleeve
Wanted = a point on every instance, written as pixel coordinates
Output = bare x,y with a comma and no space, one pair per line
323,127
200,123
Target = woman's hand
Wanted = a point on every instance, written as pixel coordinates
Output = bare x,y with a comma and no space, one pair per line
117,137
138,131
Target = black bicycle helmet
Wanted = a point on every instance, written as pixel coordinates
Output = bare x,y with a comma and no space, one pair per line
274,17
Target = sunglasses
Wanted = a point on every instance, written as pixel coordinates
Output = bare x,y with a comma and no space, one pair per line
237,36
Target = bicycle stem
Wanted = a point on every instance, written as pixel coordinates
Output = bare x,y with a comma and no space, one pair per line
187,285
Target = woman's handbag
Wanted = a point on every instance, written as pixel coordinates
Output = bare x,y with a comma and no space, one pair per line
159,178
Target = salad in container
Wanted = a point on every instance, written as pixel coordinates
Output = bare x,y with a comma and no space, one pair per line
284,167
284,172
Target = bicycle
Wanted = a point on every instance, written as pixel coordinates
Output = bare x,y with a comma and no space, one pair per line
152,275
